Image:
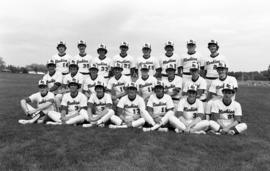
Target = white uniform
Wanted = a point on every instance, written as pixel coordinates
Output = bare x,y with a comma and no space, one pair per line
89,84
152,64
118,85
217,85
171,85
188,59
83,63
146,86
39,100
68,78
165,60
211,63
57,77
127,62
74,104
200,83
160,106
103,66
100,104
62,63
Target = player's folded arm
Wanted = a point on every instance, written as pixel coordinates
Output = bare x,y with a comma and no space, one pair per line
150,111
169,109
55,86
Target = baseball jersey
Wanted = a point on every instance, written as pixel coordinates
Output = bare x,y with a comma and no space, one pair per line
57,77
83,62
173,60
188,59
146,86
170,85
217,85
210,64
101,103
89,83
61,63
40,100
131,108
226,113
127,63
74,104
151,62
67,78
118,85
200,83
103,66
190,111
160,105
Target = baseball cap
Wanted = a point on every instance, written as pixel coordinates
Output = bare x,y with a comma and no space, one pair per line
102,47
192,87
194,66
221,64
124,44
191,42
131,85
146,46
228,86
61,43
42,83
81,42
169,43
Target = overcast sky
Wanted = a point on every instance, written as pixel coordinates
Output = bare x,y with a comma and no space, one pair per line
30,29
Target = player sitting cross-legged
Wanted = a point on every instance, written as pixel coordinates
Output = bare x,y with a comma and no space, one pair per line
131,108
44,100
227,113
191,113
73,107
100,108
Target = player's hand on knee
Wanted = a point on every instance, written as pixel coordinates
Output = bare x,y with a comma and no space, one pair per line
157,120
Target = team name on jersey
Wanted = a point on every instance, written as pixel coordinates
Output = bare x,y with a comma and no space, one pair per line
169,61
159,104
131,106
43,101
192,109
145,85
124,61
82,61
212,62
171,86
190,59
61,60
73,103
101,64
101,104
51,81
118,84
91,85
220,86
220,111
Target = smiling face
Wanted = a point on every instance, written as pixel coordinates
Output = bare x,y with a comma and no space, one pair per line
144,73
191,48
101,52
43,89
117,71
146,51
73,87
159,90
123,50
132,91
169,50
194,73
99,91
51,68
73,69
227,94
61,49
170,72
222,72
81,48
212,48
93,72
191,95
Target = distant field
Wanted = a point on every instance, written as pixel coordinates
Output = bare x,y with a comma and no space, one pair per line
41,147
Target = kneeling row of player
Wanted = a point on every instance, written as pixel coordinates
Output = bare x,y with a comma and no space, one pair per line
188,116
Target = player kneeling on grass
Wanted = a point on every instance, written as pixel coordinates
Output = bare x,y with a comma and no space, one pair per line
73,107
100,108
131,109
44,100
191,113
227,113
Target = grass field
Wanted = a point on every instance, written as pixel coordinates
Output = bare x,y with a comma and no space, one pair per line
42,147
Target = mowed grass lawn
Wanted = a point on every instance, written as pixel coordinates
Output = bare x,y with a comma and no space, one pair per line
42,147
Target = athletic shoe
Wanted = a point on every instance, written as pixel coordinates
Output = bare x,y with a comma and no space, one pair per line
53,123
87,125
163,129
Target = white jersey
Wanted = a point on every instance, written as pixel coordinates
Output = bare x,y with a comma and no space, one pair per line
146,86
127,63
210,65
100,104
83,62
217,85
152,63
160,105
170,85
200,83
188,59
131,108
102,65
173,60
190,111
89,83
74,104
62,62
68,78
118,85
225,112
40,100
57,77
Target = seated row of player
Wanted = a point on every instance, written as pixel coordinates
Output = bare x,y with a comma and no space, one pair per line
188,116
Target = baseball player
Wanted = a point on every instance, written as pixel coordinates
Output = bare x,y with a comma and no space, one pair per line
191,113
73,106
127,61
116,84
197,80
83,59
102,62
211,62
131,108
91,81
151,61
188,58
170,58
173,84
62,58
146,83
100,108
44,101
227,113
215,90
